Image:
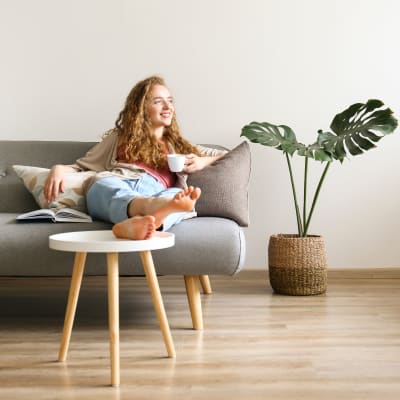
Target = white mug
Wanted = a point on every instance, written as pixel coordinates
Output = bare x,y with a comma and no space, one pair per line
176,162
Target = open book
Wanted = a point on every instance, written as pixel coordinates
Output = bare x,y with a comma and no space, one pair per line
61,215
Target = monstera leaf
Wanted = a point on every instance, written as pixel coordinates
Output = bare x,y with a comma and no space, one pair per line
283,138
357,129
279,136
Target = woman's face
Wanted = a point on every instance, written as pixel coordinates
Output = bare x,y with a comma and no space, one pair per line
160,109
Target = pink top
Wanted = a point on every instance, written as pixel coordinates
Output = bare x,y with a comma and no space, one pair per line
164,176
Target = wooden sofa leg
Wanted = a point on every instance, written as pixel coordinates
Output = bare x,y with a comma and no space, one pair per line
193,294
205,284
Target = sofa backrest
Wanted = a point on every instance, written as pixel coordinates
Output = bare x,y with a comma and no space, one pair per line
14,197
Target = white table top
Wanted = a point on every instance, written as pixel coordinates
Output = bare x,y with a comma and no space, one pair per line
106,242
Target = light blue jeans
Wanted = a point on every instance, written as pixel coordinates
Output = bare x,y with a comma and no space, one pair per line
108,198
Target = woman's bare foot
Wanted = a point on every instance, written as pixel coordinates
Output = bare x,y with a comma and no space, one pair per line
185,200
135,228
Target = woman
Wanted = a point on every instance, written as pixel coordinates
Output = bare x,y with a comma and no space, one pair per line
134,189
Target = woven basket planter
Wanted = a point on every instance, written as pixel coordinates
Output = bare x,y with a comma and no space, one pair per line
297,266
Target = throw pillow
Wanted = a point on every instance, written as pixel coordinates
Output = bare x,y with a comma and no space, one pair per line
34,179
224,186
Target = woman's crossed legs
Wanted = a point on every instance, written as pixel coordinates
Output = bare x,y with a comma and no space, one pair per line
140,227
138,207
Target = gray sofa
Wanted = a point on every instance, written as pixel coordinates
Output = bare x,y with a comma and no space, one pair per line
204,245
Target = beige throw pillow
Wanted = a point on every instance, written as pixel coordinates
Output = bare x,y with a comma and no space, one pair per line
34,179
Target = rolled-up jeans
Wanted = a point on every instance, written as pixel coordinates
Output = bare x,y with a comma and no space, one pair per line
108,198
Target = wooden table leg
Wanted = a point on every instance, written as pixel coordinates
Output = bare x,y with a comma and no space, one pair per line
76,280
113,315
154,287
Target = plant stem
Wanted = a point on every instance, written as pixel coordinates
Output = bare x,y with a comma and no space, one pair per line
305,189
299,225
321,181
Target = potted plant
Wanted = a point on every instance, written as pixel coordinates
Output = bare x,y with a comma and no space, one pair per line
297,262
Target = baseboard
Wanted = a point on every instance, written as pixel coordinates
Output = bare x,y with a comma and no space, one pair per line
349,272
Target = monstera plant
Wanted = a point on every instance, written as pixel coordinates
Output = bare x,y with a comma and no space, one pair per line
354,131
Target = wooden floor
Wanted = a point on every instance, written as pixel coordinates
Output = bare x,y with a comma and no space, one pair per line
255,345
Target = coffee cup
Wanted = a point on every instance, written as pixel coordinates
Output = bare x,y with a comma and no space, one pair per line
176,162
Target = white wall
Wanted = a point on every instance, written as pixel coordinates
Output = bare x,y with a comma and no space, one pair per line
67,66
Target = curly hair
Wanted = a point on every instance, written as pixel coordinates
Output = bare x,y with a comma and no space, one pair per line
135,133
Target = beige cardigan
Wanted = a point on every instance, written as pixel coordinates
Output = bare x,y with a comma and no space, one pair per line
102,158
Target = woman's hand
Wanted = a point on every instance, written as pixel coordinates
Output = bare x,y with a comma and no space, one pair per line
55,182
195,163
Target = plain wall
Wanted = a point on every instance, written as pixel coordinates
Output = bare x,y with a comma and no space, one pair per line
67,66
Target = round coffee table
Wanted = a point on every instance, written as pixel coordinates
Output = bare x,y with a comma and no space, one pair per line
85,242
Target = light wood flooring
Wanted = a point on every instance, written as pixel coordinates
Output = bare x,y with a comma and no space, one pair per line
255,345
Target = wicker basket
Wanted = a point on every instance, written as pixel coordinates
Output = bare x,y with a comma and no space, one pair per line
297,266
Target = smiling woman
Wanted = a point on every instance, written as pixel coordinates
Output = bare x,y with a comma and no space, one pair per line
133,187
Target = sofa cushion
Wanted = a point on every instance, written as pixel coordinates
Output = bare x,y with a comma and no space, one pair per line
34,179
202,246
224,186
